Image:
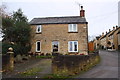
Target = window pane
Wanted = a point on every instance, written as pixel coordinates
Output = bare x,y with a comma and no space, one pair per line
38,46
74,27
39,28
55,46
70,27
75,46
71,47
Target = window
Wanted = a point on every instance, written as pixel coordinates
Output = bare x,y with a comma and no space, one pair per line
72,27
73,46
38,29
38,46
55,46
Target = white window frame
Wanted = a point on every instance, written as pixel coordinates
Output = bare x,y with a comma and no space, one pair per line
39,26
71,28
37,46
72,46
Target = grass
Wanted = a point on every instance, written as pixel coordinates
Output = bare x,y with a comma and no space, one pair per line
56,76
30,72
44,56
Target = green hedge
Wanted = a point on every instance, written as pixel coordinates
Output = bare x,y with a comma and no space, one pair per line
17,48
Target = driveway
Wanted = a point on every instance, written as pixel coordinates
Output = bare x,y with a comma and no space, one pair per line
44,64
108,67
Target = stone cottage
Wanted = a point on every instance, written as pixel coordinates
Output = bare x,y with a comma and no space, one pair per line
63,35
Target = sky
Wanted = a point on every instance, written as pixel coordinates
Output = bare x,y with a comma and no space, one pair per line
101,15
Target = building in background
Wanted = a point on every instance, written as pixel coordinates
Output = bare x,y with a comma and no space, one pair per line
110,40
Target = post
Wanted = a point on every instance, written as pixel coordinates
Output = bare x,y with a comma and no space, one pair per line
11,62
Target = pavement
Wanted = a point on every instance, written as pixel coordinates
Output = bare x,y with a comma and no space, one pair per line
107,68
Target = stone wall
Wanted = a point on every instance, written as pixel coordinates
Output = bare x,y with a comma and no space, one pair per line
73,64
59,32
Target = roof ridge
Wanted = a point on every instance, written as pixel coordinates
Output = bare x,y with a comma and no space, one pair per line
57,17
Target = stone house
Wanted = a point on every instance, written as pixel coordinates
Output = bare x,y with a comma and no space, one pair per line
110,40
113,38
118,39
64,35
97,43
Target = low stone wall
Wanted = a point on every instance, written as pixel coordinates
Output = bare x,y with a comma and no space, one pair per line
73,64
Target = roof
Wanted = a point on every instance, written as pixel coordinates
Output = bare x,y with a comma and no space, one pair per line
105,35
58,20
113,31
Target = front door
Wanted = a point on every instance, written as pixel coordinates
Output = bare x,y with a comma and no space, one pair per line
55,46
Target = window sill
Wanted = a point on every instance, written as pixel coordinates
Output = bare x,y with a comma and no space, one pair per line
72,32
73,52
38,32
37,51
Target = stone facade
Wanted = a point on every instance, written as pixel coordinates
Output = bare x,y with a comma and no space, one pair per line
59,32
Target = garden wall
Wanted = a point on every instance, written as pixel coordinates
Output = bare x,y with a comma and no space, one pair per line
73,64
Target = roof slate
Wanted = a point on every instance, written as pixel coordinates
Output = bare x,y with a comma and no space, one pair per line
58,20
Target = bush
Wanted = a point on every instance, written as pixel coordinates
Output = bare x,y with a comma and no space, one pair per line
17,48
20,49
5,47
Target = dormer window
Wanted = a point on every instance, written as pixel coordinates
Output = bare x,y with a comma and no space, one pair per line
38,29
72,28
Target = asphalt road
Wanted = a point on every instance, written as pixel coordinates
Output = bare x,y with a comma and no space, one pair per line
107,68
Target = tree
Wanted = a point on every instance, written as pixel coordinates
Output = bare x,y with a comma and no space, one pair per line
16,29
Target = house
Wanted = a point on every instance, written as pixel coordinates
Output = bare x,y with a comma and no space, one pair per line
113,38
97,43
103,40
108,41
118,39
64,35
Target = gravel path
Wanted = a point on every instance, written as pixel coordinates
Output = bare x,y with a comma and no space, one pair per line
108,67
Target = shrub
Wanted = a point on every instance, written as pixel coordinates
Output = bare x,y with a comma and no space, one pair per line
5,47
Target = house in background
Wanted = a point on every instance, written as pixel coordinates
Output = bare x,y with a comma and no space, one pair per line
108,41
118,39
64,35
113,38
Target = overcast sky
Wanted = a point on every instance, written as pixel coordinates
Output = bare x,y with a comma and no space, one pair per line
101,15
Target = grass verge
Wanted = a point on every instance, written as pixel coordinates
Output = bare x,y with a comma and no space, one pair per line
30,72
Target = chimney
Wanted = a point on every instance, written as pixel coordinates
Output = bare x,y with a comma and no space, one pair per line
109,30
82,12
113,28
116,26
106,32
103,34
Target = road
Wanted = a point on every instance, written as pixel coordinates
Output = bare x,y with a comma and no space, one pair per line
107,68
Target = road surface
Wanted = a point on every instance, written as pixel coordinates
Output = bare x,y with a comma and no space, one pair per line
107,68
